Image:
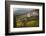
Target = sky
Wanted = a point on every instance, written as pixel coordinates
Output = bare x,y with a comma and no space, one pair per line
18,11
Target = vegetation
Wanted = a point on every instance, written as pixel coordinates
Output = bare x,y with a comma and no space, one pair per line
27,21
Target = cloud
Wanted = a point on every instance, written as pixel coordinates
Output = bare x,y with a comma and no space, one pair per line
18,11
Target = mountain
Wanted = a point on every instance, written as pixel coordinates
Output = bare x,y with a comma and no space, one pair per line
19,11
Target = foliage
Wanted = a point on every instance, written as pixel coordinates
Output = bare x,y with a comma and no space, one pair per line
30,22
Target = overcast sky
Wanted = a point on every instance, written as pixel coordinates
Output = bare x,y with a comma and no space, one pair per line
18,11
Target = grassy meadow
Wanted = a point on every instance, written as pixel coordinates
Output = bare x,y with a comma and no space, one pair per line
24,21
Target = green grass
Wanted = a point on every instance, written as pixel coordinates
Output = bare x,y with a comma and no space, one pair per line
21,16
18,23
34,22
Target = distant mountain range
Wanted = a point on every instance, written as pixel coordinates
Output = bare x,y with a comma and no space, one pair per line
20,11
25,11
